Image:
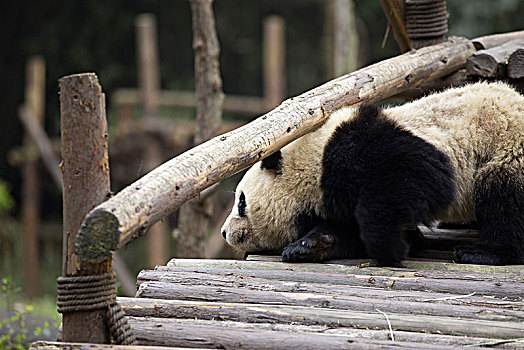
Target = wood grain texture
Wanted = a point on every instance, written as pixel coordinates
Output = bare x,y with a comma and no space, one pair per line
131,212
85,170
171,332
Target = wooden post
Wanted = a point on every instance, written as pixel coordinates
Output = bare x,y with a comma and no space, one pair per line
130,213
35,104
345,47
194,215
274,61
149,84
85,170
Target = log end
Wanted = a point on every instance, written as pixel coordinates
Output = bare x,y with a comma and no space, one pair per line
98,236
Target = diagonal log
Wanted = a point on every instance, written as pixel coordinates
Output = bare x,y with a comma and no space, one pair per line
131,212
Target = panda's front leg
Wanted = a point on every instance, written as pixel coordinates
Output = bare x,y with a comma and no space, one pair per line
325,241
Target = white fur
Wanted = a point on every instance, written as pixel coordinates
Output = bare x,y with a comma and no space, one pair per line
479,126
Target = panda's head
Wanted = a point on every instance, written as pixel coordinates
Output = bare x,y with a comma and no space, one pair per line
258,218
267,201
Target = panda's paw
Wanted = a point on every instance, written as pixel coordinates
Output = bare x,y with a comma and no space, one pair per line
311,248
477,254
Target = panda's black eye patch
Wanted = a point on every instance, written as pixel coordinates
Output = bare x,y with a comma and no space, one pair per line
242,205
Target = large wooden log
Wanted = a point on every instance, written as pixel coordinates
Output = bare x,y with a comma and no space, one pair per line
491,63
41,345
131,212
489,41
85,169
509,290
261,313
320,297
170,332
346,266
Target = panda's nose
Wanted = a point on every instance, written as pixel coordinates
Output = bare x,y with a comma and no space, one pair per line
224,234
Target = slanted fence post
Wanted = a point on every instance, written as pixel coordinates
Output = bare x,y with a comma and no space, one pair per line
85,170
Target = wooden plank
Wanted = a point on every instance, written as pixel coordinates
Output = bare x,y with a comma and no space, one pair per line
129,214
232,335
42,345
86,181
491,63
347,266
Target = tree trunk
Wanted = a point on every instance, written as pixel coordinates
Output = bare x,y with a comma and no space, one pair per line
394,10
194,216
131,212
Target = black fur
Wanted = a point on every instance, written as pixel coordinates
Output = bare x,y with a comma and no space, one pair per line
379,180
273,162
499,206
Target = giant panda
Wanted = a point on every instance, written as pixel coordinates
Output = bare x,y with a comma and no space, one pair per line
356,185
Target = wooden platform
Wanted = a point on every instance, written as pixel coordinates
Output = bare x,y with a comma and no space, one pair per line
262,303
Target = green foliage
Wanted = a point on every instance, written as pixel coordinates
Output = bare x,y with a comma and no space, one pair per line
20,323
6,201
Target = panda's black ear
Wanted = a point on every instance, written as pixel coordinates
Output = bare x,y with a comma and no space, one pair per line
273,162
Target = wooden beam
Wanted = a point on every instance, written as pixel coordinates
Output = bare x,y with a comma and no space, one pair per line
149,86
131,212
274,61
85,169
394,10
44,145
239,104
31,189
491,63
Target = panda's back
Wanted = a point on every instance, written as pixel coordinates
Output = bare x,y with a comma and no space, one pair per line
473,125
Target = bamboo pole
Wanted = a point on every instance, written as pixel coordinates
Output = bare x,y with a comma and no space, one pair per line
130,213
31,190
85,170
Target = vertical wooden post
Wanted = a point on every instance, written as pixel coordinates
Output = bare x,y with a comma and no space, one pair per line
85,170
149,85
34,104
274,61
345,38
